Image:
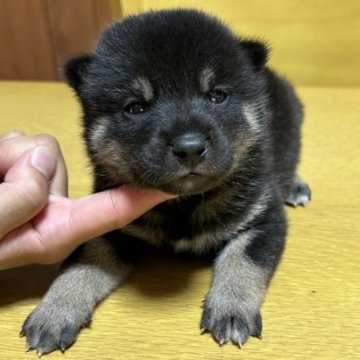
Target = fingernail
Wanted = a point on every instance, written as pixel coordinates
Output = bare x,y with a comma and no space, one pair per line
42,160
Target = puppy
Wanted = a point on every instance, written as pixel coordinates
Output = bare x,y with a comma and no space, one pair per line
173,100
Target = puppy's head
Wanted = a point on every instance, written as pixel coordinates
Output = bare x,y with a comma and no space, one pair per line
172,100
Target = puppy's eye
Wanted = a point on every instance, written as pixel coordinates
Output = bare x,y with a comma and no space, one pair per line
135,108
217,96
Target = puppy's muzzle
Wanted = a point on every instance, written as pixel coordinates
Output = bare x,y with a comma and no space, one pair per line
190,149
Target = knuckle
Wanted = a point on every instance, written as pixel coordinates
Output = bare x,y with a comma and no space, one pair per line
49,141
11,134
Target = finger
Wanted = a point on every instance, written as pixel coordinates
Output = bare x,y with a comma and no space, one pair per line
12,147
102,212
25,189
64,224
11,134
18,247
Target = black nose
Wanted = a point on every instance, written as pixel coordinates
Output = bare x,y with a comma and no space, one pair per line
190,149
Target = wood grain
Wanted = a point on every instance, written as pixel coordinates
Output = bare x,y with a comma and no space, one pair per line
75,26
25,43
72,28
37,36
312,310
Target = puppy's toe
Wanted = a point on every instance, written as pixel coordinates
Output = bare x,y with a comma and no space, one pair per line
299,194
49,328
237,328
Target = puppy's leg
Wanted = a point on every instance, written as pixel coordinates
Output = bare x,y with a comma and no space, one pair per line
299,194
68,305
242,273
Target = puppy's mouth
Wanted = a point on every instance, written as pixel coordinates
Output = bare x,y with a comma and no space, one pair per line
185,183
191,183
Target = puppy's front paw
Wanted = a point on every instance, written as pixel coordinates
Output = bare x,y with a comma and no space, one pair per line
53,326
230,322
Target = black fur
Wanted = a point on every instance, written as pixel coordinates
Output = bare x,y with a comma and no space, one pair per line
174,100
161,47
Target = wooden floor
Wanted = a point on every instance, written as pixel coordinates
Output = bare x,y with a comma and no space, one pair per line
312,310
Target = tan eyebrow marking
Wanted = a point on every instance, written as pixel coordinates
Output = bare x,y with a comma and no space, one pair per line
206,76
142,85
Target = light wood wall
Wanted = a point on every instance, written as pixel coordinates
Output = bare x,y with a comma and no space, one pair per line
314,42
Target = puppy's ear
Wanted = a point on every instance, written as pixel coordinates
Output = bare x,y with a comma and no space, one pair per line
257,51
75,69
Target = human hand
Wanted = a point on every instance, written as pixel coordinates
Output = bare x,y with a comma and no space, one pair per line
38,222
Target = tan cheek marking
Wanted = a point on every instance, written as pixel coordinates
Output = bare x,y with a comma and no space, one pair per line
251,116
110,154
98,131
241,150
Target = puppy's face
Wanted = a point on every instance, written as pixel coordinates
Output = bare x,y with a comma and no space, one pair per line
172,100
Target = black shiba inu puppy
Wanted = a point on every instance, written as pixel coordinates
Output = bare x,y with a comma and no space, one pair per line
173,100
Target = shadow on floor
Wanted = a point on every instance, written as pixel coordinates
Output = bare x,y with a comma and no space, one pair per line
160,275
